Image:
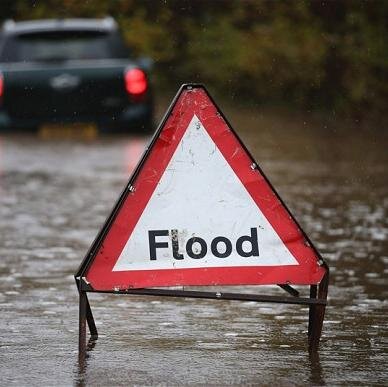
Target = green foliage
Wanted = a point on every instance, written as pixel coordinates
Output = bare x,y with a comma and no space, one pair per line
310,54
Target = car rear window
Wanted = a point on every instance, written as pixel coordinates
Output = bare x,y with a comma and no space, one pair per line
63,45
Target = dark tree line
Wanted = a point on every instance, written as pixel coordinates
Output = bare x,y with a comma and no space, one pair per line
323,55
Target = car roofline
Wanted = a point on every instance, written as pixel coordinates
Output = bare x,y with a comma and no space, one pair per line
11,27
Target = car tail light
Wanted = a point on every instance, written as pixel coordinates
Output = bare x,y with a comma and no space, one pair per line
1,85
135,82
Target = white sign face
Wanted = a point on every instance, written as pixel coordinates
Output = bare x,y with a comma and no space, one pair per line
201,215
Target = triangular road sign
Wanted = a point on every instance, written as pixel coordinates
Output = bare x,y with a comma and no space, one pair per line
199,211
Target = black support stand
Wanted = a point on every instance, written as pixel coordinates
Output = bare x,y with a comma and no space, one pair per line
317,304
317,312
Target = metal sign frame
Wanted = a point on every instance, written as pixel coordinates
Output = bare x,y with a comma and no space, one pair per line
316,301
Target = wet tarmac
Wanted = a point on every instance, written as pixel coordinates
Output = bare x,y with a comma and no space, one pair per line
54,196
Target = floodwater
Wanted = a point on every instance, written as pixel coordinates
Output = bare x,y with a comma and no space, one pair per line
54,196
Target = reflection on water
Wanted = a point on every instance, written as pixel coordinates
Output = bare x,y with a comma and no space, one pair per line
55,195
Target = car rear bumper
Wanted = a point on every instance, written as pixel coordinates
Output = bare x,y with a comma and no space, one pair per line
134,117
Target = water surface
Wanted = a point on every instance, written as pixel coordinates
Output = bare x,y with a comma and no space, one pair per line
54,196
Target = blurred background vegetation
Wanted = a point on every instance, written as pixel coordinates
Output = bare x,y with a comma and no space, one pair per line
327,56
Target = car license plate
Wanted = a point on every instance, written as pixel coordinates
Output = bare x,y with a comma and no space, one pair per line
72,130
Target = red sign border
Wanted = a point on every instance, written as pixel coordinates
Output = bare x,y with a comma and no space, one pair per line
203,276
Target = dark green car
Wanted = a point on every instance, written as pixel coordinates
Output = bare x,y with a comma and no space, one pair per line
71,72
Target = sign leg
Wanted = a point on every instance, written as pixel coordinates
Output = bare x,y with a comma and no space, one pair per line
90,320
313,294
83,302
317,313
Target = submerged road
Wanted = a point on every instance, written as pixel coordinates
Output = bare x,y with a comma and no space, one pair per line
55,195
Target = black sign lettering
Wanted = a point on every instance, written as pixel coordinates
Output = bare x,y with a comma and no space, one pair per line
175,245
252,239
228,247
251,245
189,248
152,234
